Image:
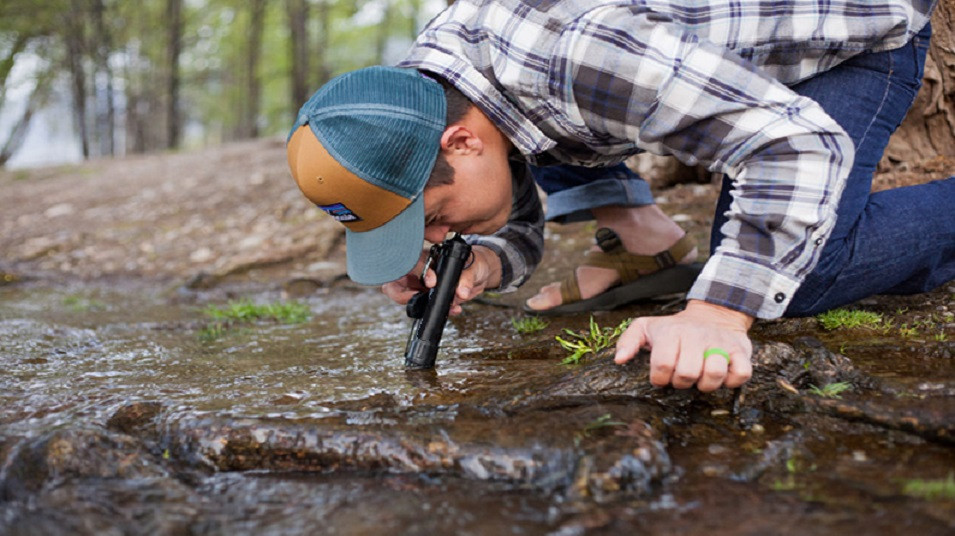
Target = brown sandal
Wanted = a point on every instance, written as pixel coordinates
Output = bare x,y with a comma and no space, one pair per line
641,276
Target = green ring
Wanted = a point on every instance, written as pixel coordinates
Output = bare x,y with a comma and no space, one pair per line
717,351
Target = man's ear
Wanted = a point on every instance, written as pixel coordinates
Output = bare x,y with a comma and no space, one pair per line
460,140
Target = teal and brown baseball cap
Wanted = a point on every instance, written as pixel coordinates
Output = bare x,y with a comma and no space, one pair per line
362,149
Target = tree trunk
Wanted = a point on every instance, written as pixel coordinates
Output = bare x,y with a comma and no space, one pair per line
75,50
929,129
250,124
174,50
105,118
324,38
36,100
6,64
299,48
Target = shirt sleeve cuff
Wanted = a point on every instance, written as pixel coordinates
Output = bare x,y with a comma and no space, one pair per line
510,281
745,286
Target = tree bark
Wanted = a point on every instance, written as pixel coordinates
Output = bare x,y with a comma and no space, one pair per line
928,130
174,51
253,86
105,118
324,38
36,100
75,41
299,48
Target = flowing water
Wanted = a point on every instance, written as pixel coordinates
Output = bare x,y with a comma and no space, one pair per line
118,417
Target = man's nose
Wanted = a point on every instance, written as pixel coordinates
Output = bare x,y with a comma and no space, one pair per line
436,233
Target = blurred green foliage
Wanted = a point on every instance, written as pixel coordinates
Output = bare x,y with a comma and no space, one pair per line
157,74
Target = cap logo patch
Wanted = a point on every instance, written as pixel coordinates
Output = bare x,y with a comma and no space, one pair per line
340,212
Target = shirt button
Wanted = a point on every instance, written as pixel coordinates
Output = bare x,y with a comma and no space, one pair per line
818,241
779,297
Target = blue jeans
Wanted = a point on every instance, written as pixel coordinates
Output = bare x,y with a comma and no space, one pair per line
899,241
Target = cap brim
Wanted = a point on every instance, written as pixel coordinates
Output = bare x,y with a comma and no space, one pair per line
387,252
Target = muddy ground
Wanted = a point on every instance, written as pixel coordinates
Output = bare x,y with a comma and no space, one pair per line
111,259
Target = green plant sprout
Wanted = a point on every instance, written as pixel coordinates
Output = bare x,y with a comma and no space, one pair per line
907,332
246,312
931,489
529,324
833,390
82,305
604,421
589,343
849,319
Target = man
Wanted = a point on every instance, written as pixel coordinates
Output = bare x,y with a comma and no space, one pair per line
792,102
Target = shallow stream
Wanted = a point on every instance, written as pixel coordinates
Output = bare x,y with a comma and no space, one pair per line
118,417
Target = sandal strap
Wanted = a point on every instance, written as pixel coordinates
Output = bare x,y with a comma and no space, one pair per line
631,266
628,265
569,288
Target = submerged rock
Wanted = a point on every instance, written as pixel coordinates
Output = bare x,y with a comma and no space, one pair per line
555,452
54,458
135,418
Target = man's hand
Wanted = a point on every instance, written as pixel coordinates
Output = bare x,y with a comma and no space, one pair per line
677,343
484,272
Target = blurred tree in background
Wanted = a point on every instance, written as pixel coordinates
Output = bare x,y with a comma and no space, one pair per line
160,74
150,75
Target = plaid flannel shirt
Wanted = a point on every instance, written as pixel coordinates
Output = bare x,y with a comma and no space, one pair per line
591,82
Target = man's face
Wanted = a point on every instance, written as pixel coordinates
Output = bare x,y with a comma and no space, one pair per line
477,202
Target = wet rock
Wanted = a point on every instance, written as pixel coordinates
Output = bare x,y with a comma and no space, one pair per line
801,366
600,380
300,287
785,376
929,419
94,506
57,457
533,450
8,278
200,281
288,399
629,463
136,418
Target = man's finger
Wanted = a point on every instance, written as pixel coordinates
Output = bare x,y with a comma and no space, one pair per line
715,368
689,364
397,293
740,366
430,278
630,341
663,360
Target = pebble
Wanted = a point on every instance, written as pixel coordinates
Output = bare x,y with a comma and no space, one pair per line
62,209
202,254
716,450
713,470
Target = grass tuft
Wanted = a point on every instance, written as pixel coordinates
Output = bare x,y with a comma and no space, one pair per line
931,489
849,319
246,312
83,305
592,342
529,324
833,390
